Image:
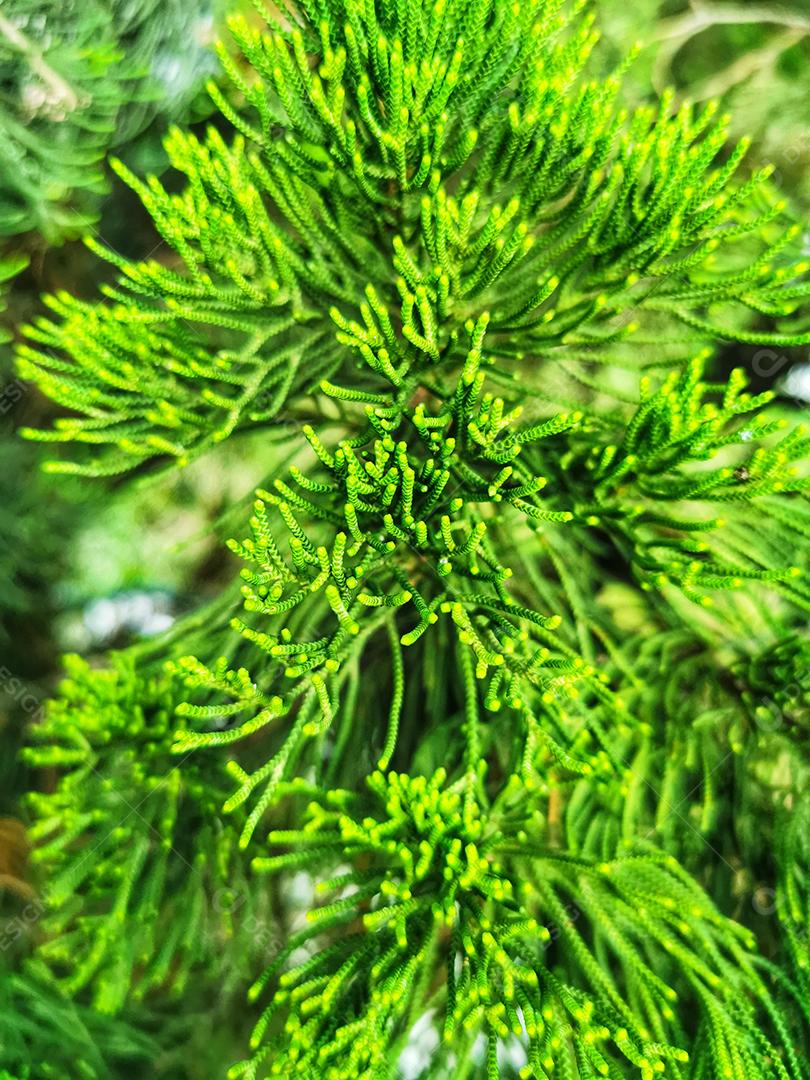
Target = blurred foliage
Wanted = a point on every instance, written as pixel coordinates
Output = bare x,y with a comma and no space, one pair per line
79,78
754,56
52,1038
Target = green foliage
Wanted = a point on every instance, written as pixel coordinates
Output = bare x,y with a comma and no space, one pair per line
42,1030
431,884
520,675
750,55
128,841
563,216
420,535
792,896
78,78
9,267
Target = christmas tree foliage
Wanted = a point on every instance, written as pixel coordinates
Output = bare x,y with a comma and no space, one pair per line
517,684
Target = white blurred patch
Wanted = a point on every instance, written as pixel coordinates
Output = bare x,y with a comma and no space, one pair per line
139,613
423,1042
796,383
513,1052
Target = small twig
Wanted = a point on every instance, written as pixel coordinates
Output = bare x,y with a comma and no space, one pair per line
745,67
63,91
675,32
702,16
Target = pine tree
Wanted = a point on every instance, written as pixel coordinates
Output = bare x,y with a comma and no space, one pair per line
518,674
